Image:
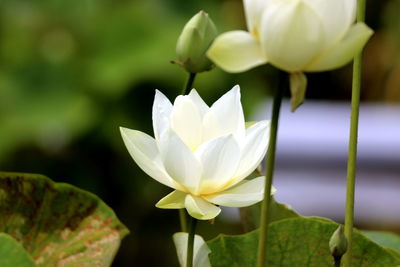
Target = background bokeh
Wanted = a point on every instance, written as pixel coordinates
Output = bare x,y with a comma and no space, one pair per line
72,72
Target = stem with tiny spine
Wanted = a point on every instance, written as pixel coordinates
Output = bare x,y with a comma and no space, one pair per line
269,170
189,83
352,155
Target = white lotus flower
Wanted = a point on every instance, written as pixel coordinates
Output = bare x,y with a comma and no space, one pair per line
293,35
202,152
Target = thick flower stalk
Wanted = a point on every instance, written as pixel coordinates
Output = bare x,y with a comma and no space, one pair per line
202,152
293,35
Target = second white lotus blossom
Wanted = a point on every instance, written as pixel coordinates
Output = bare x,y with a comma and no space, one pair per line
293,35
202,152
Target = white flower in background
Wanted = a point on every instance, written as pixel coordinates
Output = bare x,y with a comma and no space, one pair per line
293,35
202,152
200,250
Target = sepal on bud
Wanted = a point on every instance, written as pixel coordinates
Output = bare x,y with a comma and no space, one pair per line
195,39
298,86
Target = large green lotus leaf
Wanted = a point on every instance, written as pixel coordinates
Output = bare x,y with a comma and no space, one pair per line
296,242
250,216
58,224
12,254
385,239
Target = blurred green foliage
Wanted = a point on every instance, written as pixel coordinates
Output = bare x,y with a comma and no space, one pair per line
72,72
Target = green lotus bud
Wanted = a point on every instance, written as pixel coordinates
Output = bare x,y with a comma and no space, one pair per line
195,39
338,243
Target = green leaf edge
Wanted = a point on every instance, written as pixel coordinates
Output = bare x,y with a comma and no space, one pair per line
377,236
391,251
325,220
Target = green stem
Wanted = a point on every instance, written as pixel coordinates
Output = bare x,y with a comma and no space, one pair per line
192,230
189,83
269,169
352,155
182,219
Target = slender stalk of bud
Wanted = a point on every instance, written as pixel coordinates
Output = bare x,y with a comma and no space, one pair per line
269,170
352,155
186,89
189,83
192,231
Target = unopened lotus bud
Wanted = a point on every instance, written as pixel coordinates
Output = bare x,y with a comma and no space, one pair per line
338,243
195,39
